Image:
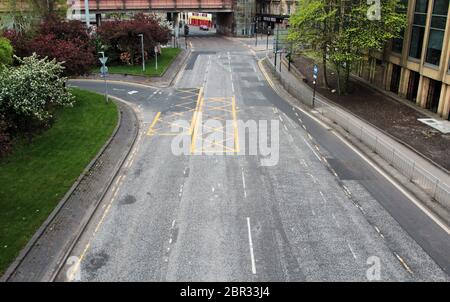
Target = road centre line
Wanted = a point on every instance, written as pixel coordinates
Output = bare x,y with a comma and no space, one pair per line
243,182
250,241
351,250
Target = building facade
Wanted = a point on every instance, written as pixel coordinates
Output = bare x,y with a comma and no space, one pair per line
272,13
416,66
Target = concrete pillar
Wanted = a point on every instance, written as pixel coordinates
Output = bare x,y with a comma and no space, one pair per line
404,81
388,77
444,103
422,95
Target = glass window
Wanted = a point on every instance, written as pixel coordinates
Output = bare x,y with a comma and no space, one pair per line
437,30
418,28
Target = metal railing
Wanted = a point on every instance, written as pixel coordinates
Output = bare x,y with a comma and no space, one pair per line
418,175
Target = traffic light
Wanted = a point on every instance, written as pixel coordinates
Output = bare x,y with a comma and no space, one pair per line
186,30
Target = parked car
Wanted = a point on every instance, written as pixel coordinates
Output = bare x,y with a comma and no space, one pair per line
204,27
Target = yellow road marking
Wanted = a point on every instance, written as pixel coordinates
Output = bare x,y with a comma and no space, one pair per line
236,138
194,116
194,125
150,129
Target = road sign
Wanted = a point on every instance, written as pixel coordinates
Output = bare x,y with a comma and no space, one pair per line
104,70
316,71
103,60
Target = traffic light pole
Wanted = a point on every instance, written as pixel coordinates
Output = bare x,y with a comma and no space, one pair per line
256,33
276,48
314,93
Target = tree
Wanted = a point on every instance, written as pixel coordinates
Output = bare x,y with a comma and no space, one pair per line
75,58
122,36
344,31
24,15
312,25
66,41
30,92
6,52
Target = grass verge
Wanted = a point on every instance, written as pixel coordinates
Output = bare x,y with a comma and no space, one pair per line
34,177
164,61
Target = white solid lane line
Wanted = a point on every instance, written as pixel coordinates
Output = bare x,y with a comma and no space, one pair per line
252,257
243,182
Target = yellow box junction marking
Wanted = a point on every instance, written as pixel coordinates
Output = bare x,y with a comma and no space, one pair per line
220,109
163,124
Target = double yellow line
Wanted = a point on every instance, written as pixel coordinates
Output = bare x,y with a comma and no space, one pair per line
150,129
194,123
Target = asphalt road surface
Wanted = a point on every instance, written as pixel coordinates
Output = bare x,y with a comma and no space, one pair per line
315,212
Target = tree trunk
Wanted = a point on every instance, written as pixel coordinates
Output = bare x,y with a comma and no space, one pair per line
338,77
324,63
347,76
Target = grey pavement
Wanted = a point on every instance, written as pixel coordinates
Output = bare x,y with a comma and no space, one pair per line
228,217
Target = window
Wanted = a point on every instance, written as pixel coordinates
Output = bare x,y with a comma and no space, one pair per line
397,43
418,29
437,30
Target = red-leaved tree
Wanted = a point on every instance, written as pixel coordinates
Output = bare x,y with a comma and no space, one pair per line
122,36
65,41
20,42
77,58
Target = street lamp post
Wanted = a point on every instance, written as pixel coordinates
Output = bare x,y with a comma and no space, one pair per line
156,57
86,12
142,49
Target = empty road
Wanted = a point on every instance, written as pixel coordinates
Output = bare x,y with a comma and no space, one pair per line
310,209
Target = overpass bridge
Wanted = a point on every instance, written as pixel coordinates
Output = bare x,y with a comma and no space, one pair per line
101,6
233,17
106,6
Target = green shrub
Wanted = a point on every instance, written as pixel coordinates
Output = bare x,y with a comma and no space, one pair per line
30,92
6,52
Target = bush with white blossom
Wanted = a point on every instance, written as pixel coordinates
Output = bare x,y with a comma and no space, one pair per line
30,92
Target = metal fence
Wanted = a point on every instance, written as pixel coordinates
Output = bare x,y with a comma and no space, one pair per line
418,175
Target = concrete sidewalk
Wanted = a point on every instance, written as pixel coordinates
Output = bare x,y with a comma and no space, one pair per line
428,182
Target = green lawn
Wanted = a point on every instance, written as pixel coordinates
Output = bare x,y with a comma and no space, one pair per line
164,61
36,176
